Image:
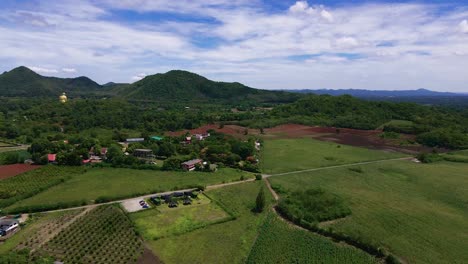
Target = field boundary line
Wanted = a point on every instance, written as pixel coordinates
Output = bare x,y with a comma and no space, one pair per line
334,167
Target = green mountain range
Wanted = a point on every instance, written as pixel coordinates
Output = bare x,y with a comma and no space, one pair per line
23,82
173,85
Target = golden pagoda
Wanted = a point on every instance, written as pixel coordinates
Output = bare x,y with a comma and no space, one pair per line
63,98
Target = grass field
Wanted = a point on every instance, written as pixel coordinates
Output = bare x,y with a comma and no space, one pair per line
417,211
103,235
163,221
32,182
228,242
280,242
10,156
284,155
112,183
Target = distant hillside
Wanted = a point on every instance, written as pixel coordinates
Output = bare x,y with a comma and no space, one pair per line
23,82
378,93
185,86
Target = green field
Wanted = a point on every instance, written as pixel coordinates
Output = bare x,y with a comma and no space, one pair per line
228,242
32,182
11,157
285,155
417,211
103,235
164,221
280,242
35,230
112,183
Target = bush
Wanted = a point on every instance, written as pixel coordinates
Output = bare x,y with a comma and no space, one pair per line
429,157
258,177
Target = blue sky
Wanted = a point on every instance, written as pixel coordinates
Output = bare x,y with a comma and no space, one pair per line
261,43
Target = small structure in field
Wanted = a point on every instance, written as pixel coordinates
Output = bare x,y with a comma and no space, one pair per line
8,225
191,164
201,136
134,140
52,158
143,153
156,138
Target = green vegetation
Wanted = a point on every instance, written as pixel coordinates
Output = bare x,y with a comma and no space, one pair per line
228,242
36,229
416,211
162,221
284,155
399,126
103,235
312,206
279,242
106,184
12,157
21,81
33,182
186,86
260,201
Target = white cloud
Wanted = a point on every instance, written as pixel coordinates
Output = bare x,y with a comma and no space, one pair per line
139,76
243,41
69,70
43,70
346,42
326,15
463,26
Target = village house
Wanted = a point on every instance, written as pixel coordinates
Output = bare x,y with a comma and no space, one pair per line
191,164
7,226
143,153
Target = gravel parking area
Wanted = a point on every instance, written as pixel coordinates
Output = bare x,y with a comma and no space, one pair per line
133,205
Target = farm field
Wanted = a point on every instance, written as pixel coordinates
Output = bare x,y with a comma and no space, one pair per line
11,157
7,171
285,155
417,211
228,242
279,242
103,235
113,183
30,183
36,230
163,221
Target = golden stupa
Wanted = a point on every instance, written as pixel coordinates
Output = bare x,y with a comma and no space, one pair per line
63,98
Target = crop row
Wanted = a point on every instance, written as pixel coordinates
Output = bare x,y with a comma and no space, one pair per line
103,235
279,242
32,182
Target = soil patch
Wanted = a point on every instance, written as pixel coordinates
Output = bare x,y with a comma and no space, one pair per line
7,171
149,258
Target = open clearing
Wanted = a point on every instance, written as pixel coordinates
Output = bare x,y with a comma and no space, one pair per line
7,171
417,211
163,221
228,242
285,155
113,184
279,242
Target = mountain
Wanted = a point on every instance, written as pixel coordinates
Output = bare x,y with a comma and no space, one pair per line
187,86
378,93
23,82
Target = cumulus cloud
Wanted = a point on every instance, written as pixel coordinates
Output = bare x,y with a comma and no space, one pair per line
463,26
139,76
242,40
302,7
69,70
43,70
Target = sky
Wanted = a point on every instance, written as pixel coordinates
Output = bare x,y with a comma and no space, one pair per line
265,44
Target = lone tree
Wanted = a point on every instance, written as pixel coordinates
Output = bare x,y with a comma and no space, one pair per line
260,202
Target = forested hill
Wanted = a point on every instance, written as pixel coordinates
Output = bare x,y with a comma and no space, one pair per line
187,86
23,82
